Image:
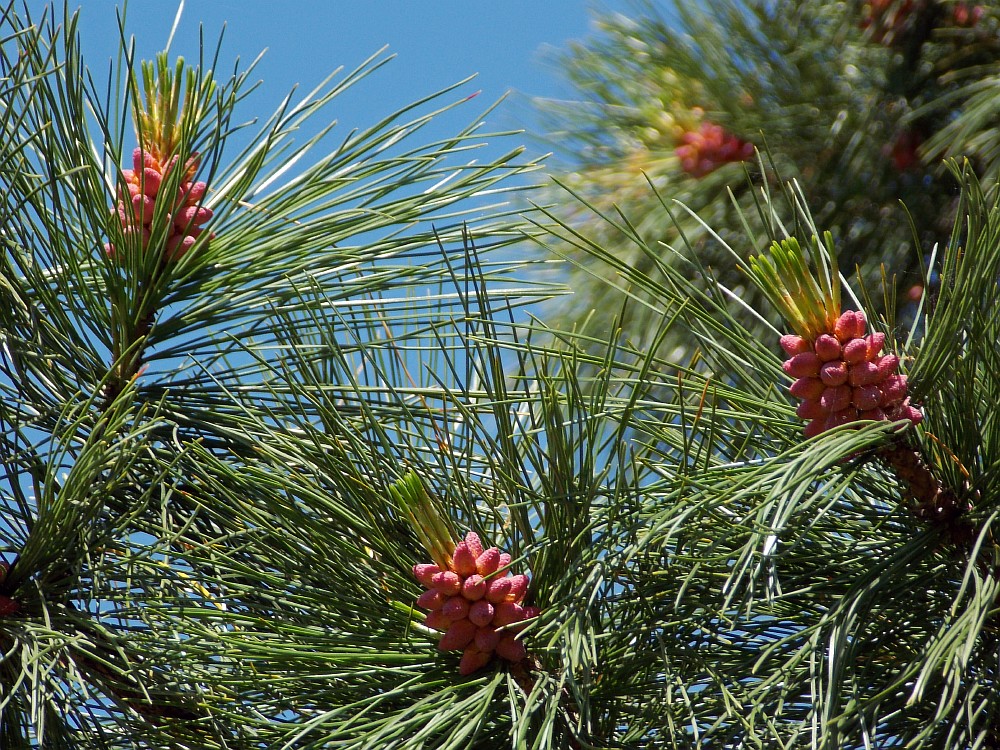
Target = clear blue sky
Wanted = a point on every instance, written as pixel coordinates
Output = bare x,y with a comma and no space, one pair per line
437,42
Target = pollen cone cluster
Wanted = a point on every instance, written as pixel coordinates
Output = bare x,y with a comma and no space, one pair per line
476,607
140,213
842,376
708,148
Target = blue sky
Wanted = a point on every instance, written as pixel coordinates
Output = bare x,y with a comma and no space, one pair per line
437,42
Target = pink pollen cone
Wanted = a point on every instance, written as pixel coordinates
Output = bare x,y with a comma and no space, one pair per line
459,635
447,582
805,365
504,560
833,373
488,562
436,620
178,246
810,410
887,365
474,544
481,613
431,599
893,390
473,660
875,343
793,344
474,587
463,561
814,428
487,638
808,389
511,649
836,398
425,572
827,347
518,586
456,608
866,397
854,351
861,374
149,182
845,326
840,417
508,613
498,589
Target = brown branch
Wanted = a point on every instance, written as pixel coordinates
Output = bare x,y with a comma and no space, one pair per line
930,500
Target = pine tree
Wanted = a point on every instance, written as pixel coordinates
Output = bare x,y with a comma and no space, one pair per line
290,462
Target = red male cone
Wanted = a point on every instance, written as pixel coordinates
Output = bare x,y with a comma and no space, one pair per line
841,375
471,596
146,211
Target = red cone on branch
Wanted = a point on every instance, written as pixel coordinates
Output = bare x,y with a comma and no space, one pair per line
859,381
708,148
175,221
479,613
840,373
472,596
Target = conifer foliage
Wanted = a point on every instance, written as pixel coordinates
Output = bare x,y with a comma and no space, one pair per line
287,463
